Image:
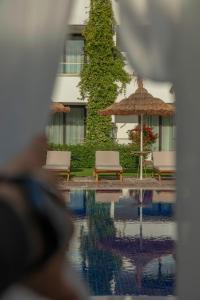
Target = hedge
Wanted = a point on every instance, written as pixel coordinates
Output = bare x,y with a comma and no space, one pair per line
83,155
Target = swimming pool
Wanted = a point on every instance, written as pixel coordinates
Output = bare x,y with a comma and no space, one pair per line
125,240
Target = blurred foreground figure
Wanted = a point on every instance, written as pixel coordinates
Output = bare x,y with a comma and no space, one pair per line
162,40
35,229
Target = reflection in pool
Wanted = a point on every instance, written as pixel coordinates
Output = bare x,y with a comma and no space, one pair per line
125,241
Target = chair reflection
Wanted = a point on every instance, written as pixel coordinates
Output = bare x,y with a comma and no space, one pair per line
107,196
164,196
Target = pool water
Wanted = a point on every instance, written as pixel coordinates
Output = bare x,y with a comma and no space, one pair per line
125,240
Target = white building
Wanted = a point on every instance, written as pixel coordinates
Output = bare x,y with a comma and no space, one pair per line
69,128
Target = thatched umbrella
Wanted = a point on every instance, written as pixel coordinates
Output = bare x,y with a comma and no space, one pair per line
59,107
140,103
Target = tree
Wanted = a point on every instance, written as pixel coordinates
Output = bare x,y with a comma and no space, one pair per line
103,76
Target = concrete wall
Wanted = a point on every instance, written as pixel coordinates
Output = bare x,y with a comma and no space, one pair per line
80,12
66,90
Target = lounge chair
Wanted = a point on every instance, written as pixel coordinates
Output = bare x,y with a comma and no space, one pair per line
107,162
59,162
164,162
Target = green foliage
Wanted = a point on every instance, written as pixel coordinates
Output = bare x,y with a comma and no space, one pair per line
83,156
103,76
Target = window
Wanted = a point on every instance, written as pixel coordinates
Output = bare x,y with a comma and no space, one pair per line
68,128
73,55
168,134
153,122
165,127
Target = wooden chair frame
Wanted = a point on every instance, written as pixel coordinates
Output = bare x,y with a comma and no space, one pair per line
97,172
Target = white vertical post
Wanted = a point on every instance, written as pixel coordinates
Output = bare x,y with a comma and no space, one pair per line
141,148
112,209
141,218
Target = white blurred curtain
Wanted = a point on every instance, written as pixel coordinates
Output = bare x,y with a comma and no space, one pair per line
170,52
32,33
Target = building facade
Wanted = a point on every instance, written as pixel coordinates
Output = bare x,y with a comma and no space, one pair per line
70,128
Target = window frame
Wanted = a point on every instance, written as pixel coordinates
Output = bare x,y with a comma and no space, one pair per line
63,62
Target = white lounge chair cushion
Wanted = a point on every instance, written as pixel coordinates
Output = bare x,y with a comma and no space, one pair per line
164,160
58,158
165,168
108,160
109,168
57,167
58,161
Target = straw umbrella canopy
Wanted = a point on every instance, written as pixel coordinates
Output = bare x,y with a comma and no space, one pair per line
57,107
140,103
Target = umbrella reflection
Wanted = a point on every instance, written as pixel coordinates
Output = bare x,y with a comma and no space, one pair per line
139,250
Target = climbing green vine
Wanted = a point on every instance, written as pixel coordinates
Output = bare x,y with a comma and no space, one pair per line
103,76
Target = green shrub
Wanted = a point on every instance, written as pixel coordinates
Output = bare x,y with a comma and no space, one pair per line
83,155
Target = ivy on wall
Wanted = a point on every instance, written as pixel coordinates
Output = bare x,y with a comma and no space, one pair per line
103,76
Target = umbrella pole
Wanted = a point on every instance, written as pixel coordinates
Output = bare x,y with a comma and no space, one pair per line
141,219
141,148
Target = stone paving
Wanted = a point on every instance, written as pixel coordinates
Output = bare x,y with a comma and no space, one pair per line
128,182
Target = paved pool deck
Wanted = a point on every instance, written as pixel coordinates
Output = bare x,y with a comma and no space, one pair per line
128,182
